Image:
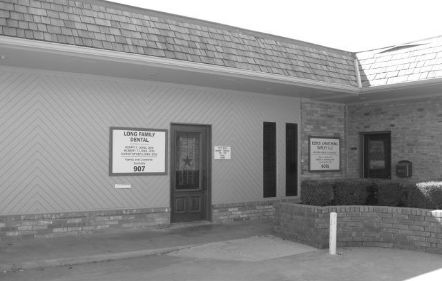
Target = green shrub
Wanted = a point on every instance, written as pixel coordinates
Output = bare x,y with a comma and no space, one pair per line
318,193
390,193
351,191
426,195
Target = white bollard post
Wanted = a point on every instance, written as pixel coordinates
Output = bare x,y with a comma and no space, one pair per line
333,227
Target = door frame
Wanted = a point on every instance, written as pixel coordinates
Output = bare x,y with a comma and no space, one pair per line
208,192
362,163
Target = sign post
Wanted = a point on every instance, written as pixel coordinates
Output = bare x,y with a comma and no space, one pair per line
332,237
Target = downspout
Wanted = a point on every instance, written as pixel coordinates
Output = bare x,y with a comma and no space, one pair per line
358,74
347,146
346,116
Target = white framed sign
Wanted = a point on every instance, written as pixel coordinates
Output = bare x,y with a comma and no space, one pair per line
222,152
135,151
324,154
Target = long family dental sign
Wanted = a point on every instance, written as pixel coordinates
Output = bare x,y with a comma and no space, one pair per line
324,154
135,151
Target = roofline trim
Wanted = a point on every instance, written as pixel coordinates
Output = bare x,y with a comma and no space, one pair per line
87,52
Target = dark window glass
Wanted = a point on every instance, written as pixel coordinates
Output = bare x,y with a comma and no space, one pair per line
269,159
291,159
377,155
187,164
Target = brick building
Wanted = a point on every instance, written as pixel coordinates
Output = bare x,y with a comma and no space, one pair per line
115,116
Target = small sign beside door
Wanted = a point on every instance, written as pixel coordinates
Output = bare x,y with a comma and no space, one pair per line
222,152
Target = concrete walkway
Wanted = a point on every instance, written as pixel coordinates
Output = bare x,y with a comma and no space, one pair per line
28,254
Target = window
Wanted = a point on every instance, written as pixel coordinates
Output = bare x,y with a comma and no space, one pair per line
376,155
269,159
291,159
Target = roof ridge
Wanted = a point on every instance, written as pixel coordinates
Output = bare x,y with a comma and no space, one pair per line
421,41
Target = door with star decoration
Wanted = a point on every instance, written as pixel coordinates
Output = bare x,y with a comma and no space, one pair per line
190,172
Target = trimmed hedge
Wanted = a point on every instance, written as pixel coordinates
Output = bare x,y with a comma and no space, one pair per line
390,193
374,192
318,193
351,192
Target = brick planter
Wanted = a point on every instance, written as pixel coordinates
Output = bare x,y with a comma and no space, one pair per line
362,226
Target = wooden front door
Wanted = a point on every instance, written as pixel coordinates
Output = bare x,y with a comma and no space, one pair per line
190,172
377,155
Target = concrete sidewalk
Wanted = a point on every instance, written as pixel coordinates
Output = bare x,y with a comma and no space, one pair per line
28,254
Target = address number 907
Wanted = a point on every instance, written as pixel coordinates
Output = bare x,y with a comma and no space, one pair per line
139,168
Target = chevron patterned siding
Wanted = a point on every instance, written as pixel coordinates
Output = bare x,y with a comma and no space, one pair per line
54,139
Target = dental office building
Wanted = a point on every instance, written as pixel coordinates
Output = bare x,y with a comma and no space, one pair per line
116,116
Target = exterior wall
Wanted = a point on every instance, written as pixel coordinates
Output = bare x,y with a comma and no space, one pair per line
362,226
324,120
55,139
416,134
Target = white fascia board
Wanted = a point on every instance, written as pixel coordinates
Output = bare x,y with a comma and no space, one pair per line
86,52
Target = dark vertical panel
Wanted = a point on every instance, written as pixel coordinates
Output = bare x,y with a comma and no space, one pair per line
291,159
269,159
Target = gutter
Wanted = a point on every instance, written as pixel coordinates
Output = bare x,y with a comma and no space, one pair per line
144,60
358,74
131,58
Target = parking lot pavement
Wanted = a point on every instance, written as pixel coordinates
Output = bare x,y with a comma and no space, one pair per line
255,248
360,264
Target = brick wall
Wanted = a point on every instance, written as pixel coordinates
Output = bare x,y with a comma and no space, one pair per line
325,120
247,211
75,223
225,213
63,224
416,134
362,226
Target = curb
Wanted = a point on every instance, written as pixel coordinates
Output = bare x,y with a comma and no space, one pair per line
90,259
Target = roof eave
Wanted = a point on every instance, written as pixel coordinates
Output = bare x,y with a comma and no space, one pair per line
115,56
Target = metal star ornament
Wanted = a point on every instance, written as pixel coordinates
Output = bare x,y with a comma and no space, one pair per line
187,161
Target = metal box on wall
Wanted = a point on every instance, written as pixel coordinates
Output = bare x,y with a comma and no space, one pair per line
404,169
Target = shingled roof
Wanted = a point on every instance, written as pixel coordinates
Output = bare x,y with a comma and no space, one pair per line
414,61
106,25
110,26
